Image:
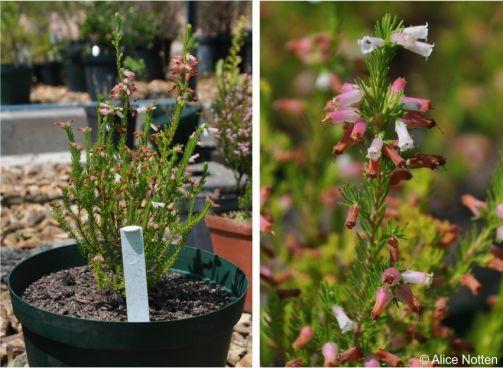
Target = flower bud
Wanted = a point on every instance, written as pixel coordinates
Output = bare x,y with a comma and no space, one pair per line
305,335
394,254
293,363
350,355
352,216
391,153
388,358
398,85
471,283
399,175
473,204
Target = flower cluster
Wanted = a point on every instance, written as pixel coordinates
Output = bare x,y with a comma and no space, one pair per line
184,66
126,87
411,38
346,110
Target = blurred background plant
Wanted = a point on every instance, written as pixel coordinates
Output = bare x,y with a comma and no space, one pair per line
232,116
300,71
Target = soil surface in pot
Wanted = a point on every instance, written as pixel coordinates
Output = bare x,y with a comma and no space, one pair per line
73,292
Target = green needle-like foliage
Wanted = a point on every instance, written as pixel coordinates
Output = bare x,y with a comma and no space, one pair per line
117,186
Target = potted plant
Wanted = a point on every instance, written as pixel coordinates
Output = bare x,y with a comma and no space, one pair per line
231,232
16,69
70,300
148,35
216,22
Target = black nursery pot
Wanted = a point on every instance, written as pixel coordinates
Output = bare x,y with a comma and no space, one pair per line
73,68
153,60
16,83
210,49
49,73
57,340
100,72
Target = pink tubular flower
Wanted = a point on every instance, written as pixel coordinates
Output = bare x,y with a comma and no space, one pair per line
473,204
383,298
415,119
499,233
305,335
104,111
293,363
416,277
391,276
371,361
343,115
349,87
499,210
343,320
265,226
358,129
399,85
329,351
404,293
416,104
374,151
350,97
372,169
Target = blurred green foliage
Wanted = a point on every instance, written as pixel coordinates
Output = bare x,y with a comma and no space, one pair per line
463,77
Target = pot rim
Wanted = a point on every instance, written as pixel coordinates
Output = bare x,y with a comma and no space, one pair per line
23,302
238,227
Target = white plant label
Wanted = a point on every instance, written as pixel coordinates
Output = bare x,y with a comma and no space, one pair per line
135,276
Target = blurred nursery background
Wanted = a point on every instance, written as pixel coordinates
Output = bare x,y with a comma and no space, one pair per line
58,63
308,50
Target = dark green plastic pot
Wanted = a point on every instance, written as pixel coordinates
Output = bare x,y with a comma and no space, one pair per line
153,62
58,340
101,73
16,83
189,120
49,73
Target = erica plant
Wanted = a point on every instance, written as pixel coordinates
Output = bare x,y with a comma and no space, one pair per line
118,186
232,116
388,306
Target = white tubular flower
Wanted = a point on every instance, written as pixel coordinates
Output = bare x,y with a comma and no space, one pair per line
405,142
411,43
416,277
374,151
343,320
368,44
158,204
117,178
418,32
